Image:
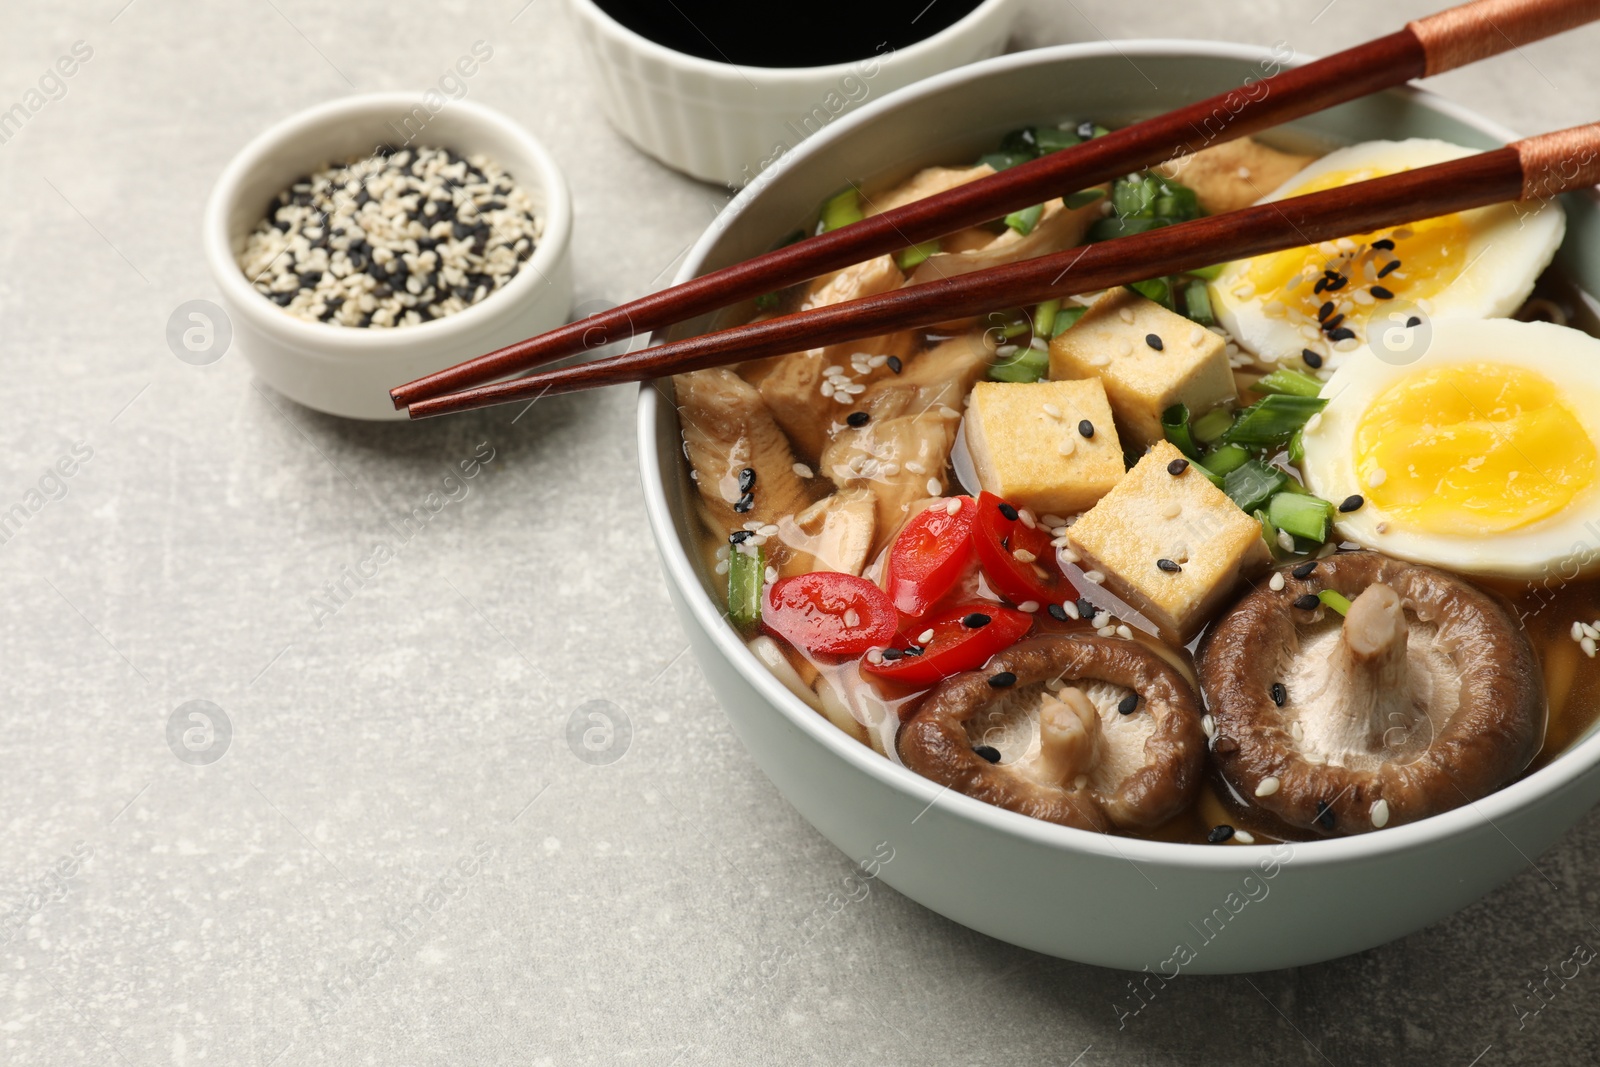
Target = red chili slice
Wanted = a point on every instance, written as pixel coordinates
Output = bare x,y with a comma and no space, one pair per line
998,536
964,638
813,612
930,556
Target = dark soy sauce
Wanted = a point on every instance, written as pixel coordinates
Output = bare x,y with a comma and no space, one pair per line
739,32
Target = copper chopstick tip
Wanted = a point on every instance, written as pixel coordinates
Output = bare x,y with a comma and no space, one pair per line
1462,35
1559,162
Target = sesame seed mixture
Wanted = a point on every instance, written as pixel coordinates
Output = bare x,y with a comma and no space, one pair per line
398,238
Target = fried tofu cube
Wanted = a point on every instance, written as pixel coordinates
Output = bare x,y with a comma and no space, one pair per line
1116,341
1171,545
1028,445
1234,174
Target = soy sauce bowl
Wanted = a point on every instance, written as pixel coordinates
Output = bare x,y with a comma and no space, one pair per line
725,122
349,370
1158,906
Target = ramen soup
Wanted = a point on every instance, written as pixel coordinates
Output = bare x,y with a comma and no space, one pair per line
1286,548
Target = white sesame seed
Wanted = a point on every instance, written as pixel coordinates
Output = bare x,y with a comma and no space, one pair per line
1267,787
1244,837
1029,606
877,361
1069,555
1172,509
1297,731
1039,344
1080,781
1383,527
722,566
1097,577
1022,555
1196,335
769,530
1125,631
753,525
1027,518
1125,314
1276,584
1286,540
1067,446
771,575
875,656
827,387
952,505
1577,631
1070,608
934,488
1106,631
1380,814
1101,619
1208,725
924,637
1590,630
852,617
1053,411
1051,521
1588,646
914,467
802,471
829,372
1124,346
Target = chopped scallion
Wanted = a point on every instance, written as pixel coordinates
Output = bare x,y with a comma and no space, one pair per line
1197,304
1210,273
1175,424
1252,484
767,301
1291,382
841,210
1227,458
1025,365
1210,427
1155,289
746,571
1335,600
1044,318
1067,318
1025,220
1302,514
916,255
1272,420
1083,198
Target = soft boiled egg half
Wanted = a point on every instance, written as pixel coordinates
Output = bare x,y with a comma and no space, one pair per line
1333,298
1480,455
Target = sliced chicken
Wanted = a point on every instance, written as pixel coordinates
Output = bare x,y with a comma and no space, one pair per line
1229,176
728,430
903,450
930,181
1059,227
792,384
835,532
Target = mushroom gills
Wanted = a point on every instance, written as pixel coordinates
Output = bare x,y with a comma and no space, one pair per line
1073,737
1375,689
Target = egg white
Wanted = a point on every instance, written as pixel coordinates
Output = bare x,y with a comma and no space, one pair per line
1509,246
1559,547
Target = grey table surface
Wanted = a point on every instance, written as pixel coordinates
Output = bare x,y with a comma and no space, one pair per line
410,748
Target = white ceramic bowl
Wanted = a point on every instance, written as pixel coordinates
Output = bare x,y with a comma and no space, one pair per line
348,370
1099,899
725,123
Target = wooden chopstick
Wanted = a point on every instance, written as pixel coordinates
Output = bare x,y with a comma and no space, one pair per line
1426,46
1533,169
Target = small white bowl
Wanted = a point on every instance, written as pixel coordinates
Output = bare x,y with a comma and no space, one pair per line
1114,901
726,123
345,370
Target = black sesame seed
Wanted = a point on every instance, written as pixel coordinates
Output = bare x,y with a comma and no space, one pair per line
1128,704
1307,602
1085,609
858,419
745,503
1304,570
1219,833
1003,680
739,537
892,654
988,752
1155,342
1385,244
1343,333
747,479
1170,566
1325,817
1320,287
1333,323
1177,466
1392,265
895,364
1337,283
1313,359
1413,322
1381,293
1325,310
1057,612
1086,428
1008,511
1352,502
1280,694
977,620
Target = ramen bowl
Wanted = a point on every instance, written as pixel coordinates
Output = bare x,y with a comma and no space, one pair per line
1100,899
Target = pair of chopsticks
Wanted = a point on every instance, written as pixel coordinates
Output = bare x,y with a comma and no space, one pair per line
1535,168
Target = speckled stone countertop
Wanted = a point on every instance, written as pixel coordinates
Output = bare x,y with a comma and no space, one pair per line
399,859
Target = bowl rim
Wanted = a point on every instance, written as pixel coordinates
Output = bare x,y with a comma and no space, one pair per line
781,76
1521,794
338,341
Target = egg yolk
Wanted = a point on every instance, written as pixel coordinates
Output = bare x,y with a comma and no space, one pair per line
1429,256
1472,449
